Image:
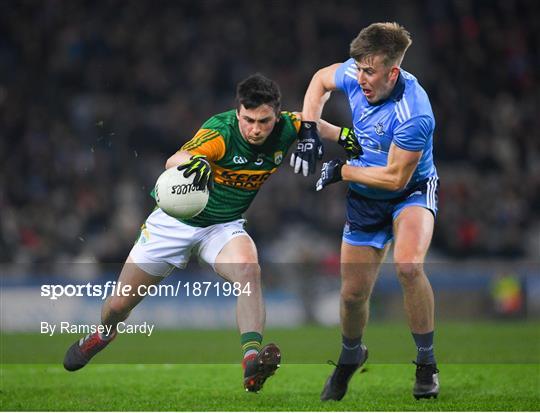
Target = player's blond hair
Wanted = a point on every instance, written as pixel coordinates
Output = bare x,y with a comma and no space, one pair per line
389,40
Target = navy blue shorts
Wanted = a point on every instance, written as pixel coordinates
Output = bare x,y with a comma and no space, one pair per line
369,221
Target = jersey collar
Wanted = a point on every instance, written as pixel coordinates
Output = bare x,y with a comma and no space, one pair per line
397,92
399,88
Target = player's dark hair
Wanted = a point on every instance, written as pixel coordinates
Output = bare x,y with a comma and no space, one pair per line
390,40
258,90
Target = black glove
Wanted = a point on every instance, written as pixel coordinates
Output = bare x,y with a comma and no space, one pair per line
198,165
330,173
308,149
348,140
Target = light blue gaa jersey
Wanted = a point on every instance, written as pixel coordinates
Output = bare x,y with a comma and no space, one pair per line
405,118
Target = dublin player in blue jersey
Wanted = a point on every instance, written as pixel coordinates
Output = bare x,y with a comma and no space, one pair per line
392,192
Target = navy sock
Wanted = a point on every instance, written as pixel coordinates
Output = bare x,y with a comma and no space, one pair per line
424,346
351,351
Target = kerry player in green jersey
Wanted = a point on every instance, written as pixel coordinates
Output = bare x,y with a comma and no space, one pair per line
234,152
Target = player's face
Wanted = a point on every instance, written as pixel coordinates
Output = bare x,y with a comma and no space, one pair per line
256,124
375,78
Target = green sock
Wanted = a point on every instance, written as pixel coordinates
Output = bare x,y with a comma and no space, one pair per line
251,342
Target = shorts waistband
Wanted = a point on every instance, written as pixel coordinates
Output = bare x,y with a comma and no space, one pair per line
356,195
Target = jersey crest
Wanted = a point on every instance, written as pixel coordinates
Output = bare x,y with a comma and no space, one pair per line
379,129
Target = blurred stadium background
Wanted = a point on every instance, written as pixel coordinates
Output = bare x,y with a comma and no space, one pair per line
94,96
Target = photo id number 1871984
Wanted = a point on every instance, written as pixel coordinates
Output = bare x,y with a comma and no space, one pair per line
218,289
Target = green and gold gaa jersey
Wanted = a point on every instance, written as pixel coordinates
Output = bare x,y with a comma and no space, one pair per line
239,168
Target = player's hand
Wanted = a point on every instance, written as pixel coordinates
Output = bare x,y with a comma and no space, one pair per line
349,142
198,165
330,173
308,150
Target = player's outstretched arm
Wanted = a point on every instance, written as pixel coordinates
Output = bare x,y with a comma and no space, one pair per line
345,137
328,130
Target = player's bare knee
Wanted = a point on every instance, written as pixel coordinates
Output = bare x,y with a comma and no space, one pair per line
409,271
351,299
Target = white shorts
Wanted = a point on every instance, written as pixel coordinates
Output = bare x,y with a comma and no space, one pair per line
165,243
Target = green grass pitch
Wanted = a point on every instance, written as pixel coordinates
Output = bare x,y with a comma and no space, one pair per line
484,367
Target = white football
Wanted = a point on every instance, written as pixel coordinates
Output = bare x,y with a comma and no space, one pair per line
177,196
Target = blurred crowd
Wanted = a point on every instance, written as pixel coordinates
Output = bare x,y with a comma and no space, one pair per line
95,96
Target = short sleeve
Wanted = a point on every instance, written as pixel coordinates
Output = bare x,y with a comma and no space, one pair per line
345,76
206,142
413,134
295,119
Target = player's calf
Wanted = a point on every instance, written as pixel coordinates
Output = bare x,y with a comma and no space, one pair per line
82,351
